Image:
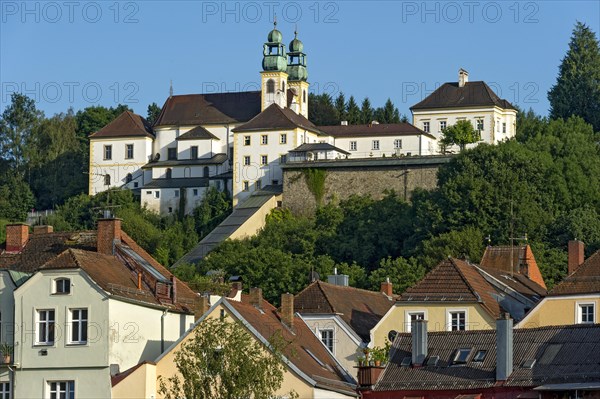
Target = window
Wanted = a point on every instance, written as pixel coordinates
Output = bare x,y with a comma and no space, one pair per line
461,356
275,182
246,160
398,144
283,159
247,140
4,390
283,138
479,356
107,152
270,86
258,184
195,191
264,160
327,339
353,146
480,124
135,184
107,179
79,326
426,127
148,192
170,209
169,173
457,321
504,127
498,126
128,178
586,313
392,335
45,327
176,192
443,125
157,194
62,286
412,316
206,171
194,152
62,389
375,145
264,139
245,185
171,153
128,151
304,96
283,86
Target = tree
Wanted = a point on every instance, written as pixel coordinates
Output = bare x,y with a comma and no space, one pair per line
222,360
322,111
153,113
17,124
92,119
577,88
366,111
352,111
461,134
16,198
340,106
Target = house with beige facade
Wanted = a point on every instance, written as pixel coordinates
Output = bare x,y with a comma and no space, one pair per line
79,307
576,299
311,371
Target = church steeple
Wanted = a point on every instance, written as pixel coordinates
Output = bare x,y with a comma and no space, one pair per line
274,74
298,74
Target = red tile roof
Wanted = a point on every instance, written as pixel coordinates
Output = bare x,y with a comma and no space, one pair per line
523,261
584,280
472,94
360,309
276,118
127,124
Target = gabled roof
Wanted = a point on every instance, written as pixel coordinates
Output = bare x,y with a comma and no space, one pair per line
127,124
203,109
304,342
472,94
276,118
377,129
523,262
562,354
360,309
454,280
584,280
197,133
318,147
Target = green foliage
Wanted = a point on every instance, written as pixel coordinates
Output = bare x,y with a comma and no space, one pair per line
577,88
463,244
461,134
223,360
315,181
16,199
366,112
322,111
212,210
402,274
153,113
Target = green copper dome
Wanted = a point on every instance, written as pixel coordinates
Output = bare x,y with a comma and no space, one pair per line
275,36
296,46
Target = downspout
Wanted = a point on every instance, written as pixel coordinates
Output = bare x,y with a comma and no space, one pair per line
162,331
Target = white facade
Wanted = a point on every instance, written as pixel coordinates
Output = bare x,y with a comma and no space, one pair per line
379,146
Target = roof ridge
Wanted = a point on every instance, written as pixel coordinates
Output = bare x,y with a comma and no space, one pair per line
466,280
325,296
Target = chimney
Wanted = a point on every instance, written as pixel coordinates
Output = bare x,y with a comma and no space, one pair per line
419,341
576,255
174,283
287,309
504,347
344,123
202,306
139,280
338,279
43,229
386,288
256,297
463,77
17,235
109,232
237,285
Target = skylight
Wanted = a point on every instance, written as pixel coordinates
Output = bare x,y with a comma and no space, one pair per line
528,364
406,361
432,361
461,356
550,353
479,356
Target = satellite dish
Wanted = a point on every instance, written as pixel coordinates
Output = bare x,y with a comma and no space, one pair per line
157,156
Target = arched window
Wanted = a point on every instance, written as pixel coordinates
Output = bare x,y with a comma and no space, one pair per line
206,171
270,86
128,178
62,286
107,180
169,173
304,96
283,87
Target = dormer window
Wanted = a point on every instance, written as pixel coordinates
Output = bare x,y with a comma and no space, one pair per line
62,286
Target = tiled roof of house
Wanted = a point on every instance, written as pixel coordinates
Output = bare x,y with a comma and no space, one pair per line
318,147
197,133
523,261
377,129
127,124
472,94
454,280
562,354
276,118
203,109
518,282
43,247
304,349
584,280
216,159
360,309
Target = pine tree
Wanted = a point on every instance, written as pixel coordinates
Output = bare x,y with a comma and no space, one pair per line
353,112
390,112
577,88
340,106
366,111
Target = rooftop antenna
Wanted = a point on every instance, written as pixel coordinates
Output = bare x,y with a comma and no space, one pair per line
171,89
489,240
274,20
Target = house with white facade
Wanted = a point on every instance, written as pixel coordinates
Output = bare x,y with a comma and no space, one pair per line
493,117
80,307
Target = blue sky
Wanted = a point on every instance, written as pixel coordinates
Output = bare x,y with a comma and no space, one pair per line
72,53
